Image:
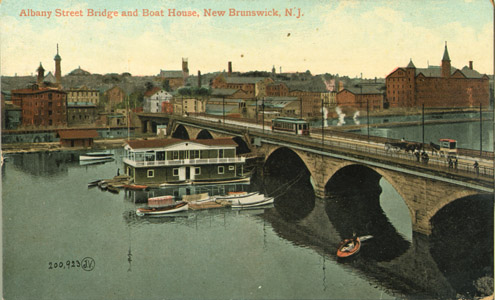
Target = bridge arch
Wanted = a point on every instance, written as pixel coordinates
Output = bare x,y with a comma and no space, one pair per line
204,134
181,132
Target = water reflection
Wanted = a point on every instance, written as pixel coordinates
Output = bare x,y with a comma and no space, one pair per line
462,241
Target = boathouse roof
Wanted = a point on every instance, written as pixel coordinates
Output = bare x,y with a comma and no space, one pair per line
77,134
162,143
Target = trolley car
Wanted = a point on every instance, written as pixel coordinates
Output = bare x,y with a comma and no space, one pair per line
291,125
448,147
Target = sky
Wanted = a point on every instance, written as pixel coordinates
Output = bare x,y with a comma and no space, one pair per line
368,38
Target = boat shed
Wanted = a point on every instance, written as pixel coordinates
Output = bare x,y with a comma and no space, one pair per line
77,138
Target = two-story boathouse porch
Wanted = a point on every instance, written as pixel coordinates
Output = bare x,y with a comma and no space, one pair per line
175,160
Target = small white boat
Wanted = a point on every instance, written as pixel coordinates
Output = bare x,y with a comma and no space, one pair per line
263,202
233,196
96,155
247,200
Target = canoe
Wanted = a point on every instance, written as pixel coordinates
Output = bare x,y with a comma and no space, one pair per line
264,201
94,183
181,206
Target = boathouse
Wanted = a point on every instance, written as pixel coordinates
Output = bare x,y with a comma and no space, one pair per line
77,138
162,161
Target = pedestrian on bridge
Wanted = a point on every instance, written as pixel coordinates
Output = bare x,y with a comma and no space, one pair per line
476,168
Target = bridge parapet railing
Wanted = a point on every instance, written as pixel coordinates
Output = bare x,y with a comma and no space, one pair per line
377,149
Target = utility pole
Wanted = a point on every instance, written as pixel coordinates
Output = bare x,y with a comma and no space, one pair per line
223,108
322,124
263,116
481,133
423,126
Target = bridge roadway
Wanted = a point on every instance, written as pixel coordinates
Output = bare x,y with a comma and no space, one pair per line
356,150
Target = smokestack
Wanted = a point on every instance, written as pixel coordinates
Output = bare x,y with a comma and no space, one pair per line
230,68
199,78
341,85
471,64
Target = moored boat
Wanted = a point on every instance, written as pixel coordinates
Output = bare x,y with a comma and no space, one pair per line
178,207
236,195
96,155
263,202
135,187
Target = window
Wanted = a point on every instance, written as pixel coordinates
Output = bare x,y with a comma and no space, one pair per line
197,171
221,169
175,171
220,153
151,173
231,168
175,155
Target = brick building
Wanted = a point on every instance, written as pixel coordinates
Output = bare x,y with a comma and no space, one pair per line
252,86
81,113
437,86
363,98
41,106
114,95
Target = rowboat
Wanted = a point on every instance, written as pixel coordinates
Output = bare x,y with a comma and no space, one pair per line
264,201
181,206
349,247
235,195
96,155
254,198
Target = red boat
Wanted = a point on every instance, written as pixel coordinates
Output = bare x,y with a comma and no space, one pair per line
135,187
349,247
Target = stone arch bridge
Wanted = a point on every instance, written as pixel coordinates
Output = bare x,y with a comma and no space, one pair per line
425,188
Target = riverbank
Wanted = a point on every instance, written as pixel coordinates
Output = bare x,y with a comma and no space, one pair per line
103,144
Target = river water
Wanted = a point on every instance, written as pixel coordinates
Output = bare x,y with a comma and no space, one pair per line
63,240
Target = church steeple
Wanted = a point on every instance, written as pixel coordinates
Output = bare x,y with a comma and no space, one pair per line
58,69
446,53
446,63
41,75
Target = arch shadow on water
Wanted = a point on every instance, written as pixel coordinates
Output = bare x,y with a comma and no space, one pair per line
286,177
461,242
353,207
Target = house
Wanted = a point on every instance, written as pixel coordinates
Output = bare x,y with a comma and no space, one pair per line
160,161
77,138
154,99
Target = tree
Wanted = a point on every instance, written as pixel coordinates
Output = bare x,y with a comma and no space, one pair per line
149,85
